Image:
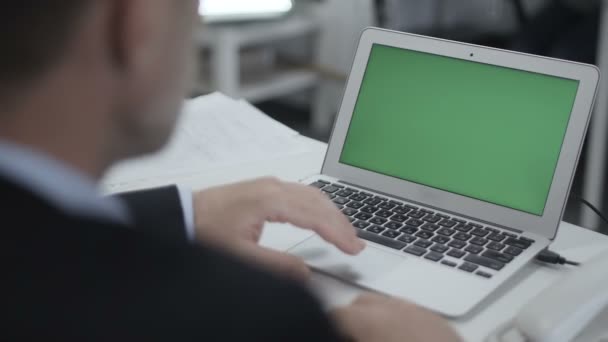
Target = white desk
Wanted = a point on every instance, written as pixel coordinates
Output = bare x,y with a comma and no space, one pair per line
573,242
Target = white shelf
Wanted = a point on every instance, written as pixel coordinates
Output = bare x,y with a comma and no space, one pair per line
260,32
227,43
272,84
277,85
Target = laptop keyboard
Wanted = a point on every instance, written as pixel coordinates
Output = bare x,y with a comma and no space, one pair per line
434,236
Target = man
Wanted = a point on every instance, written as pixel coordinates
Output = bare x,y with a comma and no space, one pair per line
85,83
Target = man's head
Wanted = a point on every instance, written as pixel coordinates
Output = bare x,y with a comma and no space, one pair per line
97,78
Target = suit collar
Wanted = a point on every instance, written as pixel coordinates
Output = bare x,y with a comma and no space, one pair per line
57,184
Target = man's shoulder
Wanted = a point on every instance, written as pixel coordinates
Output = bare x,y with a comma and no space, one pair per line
83,273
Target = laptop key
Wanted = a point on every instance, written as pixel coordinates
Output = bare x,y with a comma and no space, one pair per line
521,244
433,256
355,205
504,258
361,224
351,219
341,200
447,223
439,248
464,228
319,184
339,186
409,230
483,274
480,232
423,243
384,213
330,189
401,210
430,227
416,214
415,250
446,231
474,249
462,236
363,216
456,253
485,262
393,225
495,246
478,241
514,251
431,218
440,239
468,267
398,218
497,237
424,234
381,240
344,193
378,220
372,201
376,229
349,211
414,222
457,244
522,238
449,263
387,205
369,209
407,238
358,197
391,234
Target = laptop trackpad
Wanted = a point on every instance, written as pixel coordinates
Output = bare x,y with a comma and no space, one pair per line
369,266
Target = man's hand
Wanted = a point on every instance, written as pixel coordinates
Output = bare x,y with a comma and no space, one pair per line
232,217
374,317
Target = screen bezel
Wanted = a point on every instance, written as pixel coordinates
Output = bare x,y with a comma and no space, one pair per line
545,225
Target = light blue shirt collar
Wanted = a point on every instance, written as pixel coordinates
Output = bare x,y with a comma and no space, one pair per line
63,187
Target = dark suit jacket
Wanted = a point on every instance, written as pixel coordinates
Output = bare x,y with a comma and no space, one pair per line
73,278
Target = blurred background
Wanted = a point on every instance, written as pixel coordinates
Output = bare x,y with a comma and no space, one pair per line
292,58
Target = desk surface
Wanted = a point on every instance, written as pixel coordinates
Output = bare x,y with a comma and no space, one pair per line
573,242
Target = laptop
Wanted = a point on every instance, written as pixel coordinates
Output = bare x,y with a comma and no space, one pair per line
454,162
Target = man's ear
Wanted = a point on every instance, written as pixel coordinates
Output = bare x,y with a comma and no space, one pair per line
135,32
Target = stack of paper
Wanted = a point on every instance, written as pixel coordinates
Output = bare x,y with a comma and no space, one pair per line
214,131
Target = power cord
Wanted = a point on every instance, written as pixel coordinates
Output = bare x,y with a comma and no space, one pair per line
551,257
591,206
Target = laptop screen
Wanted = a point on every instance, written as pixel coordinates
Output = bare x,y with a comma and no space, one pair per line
482,131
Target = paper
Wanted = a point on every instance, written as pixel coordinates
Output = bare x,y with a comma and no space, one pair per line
213,131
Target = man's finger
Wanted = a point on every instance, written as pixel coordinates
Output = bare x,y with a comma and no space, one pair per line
309,209
282,263
349,321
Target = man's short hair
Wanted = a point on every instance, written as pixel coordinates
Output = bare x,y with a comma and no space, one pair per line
35,34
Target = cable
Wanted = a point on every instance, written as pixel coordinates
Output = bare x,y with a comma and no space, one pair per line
550,257
591,206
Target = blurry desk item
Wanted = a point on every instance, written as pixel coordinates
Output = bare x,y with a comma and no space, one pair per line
226,42
572,242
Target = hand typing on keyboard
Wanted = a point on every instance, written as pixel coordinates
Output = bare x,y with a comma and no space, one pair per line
232,218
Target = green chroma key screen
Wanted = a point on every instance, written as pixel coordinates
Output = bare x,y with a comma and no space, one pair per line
481,131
